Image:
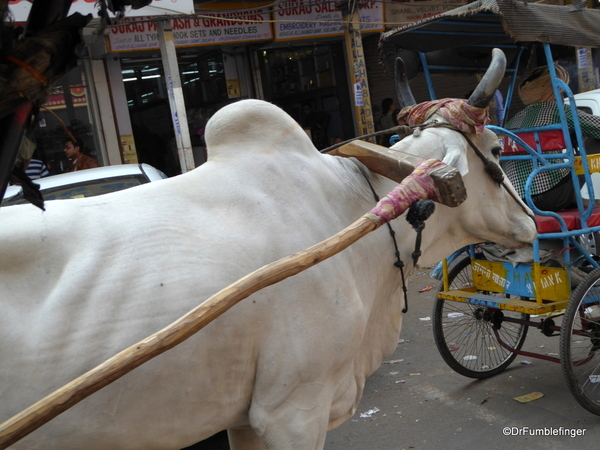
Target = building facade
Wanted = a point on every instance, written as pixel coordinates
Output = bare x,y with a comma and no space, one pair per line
293,53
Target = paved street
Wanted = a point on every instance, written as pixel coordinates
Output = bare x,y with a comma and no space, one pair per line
423,404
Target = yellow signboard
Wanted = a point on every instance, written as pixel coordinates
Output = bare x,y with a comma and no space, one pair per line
552,283
593,164
233,88
128,151
489,275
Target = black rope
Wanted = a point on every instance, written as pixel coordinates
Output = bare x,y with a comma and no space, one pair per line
398,263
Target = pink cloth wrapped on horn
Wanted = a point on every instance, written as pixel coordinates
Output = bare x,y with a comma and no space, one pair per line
456,111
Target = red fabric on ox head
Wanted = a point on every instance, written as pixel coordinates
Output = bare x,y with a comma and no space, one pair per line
456,111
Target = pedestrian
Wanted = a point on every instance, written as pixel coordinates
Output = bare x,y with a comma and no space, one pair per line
387,120
35,169
77,160
318,123
551,190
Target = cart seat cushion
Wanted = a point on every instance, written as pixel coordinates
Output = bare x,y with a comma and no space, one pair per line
546,224
549,140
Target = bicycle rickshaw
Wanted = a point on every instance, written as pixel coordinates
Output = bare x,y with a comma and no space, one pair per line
486,305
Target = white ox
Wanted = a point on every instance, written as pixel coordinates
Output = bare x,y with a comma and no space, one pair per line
89,277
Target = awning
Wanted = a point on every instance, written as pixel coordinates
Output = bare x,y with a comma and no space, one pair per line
498,22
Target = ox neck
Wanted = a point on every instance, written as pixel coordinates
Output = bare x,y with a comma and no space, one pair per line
398,263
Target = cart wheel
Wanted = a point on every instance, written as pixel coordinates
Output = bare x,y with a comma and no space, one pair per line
580,343
590,242
464,333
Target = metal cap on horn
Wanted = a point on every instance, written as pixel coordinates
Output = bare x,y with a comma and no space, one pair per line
405,97
484,91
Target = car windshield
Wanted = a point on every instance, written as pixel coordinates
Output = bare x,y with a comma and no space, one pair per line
89,188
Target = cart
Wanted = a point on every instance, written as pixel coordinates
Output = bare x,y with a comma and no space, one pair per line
487,303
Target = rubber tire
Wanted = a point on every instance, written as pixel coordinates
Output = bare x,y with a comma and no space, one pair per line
491,358
590,242
574,347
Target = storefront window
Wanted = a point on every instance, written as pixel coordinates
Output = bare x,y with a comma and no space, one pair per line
144,82
204,91
65,109
309,83
203,82
297,70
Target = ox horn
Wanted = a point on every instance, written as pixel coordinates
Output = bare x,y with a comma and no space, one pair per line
483,93
405,96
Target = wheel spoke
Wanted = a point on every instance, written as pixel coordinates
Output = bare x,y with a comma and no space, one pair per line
580,343
464,332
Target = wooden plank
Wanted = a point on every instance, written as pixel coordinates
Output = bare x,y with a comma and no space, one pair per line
471,295
396,166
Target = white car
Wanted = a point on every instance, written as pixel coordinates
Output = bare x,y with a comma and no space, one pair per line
589,102
87,183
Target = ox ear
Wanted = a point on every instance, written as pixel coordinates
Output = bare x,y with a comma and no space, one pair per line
455,153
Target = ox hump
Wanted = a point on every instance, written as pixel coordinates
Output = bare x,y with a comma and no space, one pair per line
251,126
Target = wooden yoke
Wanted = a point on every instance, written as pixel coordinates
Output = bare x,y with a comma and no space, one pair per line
397,166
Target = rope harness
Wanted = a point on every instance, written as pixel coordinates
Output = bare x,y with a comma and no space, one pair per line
421,210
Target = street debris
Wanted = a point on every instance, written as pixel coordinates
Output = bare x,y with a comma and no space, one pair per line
455,315
393,361
426,288
486,399
529,397
470,358
526,362
425,319
370,412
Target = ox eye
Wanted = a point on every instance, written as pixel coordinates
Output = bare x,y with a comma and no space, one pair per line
496,152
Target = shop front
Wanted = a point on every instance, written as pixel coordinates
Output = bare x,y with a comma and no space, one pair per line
291,56
118,101
204,88
310,84
68,113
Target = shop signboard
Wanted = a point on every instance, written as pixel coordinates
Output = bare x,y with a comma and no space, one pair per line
20,8
504,278
56,97
212,28
403,12
301,19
